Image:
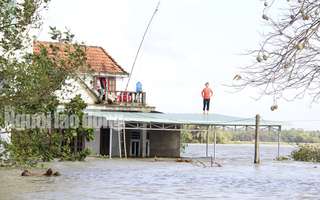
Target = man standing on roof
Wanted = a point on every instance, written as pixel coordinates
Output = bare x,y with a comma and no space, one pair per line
206,94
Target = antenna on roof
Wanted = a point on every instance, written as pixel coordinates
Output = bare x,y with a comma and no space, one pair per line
141,45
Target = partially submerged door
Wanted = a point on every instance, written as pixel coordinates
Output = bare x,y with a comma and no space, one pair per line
135,144
104,141
135,148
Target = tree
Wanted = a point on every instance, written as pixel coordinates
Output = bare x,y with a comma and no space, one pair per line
28,82
75,108
26,77
16,19
30,145
286,66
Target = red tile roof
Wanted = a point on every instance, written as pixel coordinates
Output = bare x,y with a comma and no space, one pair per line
98,58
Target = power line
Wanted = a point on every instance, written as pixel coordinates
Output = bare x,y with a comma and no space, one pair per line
141,45
306,120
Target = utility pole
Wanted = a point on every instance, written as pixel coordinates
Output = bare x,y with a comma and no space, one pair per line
141,45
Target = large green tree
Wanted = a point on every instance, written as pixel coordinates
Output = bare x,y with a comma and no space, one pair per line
26,77
286,66
28,82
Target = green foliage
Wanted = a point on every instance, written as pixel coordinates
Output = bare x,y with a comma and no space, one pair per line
184,138
15,156
198,135
105,156
76,156
75,107
29,146
26,77
28,83
306,152
15,20
281,158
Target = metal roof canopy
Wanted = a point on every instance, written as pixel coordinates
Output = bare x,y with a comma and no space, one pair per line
182,121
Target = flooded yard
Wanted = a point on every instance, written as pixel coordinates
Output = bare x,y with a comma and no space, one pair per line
132,178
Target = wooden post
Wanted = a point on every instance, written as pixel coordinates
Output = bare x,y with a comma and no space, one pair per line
256,146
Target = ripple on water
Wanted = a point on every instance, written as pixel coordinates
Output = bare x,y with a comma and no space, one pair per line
143,179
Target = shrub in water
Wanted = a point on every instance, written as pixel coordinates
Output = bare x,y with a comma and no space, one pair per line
306,152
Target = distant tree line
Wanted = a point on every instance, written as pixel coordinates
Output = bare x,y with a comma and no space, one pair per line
290,136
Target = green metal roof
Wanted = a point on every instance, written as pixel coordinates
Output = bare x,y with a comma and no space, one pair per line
184,118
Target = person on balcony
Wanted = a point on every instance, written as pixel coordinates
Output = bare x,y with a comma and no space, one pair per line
206,95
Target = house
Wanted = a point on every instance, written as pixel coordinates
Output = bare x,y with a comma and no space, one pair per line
111,140
107,75
128,126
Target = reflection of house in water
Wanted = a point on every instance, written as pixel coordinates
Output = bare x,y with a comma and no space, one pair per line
126,126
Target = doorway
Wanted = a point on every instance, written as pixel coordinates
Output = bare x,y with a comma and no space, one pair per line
135,142
104,141
135,148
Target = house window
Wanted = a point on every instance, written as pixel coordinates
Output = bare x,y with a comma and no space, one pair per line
76,144
80,143
108,83
135,135
112,83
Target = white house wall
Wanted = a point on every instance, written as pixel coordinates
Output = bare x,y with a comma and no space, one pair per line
76,89
115,144
120,83
94,144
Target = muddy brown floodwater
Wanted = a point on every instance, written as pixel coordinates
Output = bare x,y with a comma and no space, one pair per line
238,178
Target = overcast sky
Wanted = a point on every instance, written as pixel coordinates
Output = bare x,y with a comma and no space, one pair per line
189,42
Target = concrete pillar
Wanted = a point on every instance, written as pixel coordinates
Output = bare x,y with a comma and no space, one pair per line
110,143
144,97
144,141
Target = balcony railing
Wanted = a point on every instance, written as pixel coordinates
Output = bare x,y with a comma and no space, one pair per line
127,98
120,97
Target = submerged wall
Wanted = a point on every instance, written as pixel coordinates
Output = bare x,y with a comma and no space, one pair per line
115,144
161,143
165,143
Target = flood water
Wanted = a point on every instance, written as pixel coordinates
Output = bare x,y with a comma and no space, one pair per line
238,178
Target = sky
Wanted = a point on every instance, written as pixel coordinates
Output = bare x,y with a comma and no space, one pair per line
189,43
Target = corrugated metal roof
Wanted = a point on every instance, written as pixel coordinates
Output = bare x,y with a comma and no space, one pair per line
184,118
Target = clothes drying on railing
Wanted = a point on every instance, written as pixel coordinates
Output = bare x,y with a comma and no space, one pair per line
102,86
111,98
